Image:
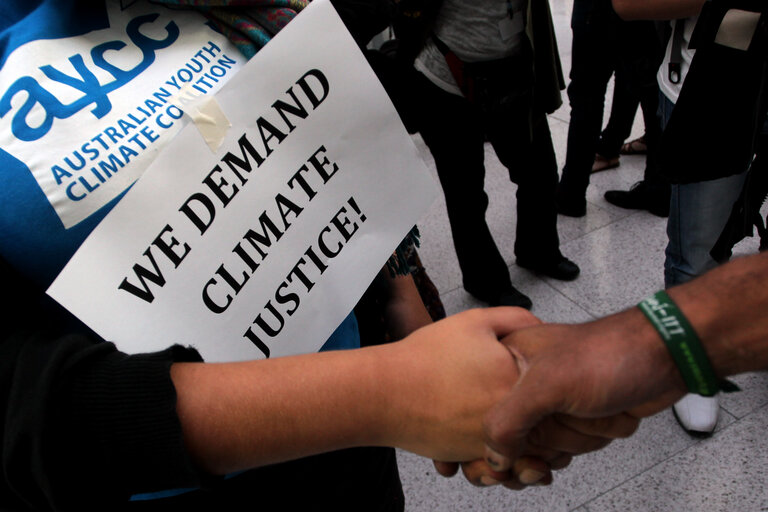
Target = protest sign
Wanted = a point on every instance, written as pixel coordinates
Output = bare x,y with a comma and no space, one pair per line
259,248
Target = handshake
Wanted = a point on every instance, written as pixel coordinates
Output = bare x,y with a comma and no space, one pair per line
512,399
493,391
525,397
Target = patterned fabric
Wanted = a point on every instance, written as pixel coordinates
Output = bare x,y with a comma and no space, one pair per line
249,24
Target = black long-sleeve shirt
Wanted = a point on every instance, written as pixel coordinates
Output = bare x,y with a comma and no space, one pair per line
81,422
85,427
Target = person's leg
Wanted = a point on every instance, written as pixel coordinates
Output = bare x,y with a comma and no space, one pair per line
639,57
623,110
656,185
698,213
653,192
450,128
592,63
523,144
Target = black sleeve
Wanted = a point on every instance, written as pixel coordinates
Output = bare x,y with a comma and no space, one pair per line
82,425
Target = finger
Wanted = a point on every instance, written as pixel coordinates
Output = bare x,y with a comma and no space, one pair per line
525,471
554,435
507,424
528,471
446,469
515,485
561,462
505,320
612,427
478,473
531,471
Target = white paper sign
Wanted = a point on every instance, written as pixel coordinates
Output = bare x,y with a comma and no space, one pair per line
266,245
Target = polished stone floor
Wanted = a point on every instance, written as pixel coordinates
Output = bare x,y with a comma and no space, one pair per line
620,252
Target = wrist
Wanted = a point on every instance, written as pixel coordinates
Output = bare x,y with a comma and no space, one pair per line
638,351
376,408
722,328
394,406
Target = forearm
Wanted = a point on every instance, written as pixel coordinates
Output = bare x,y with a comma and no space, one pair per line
241,415
405,311
657,9
728,308
426,394
620,365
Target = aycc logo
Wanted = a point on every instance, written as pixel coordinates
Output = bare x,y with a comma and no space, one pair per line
85,82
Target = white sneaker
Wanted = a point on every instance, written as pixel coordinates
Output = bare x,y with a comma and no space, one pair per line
697,414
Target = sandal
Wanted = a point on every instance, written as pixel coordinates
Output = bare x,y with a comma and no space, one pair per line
603,164
635,147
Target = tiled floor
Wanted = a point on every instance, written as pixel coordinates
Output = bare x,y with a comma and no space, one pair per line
620,253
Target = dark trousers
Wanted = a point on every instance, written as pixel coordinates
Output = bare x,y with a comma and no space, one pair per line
455,132
627,95
604,44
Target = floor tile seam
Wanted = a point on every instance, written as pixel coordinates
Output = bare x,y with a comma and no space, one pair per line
443,295
511,265
570,300
596,230
615,217
753,411
696,442
737,419
596,315
461,287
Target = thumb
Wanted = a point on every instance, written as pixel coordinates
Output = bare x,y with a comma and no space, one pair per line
505,320
508,423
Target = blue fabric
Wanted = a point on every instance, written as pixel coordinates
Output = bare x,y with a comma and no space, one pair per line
697,215
31,235
22,21
346,335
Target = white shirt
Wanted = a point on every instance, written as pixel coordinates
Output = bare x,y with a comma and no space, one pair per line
669,89
475,31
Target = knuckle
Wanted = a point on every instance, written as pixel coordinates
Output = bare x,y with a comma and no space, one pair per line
496,431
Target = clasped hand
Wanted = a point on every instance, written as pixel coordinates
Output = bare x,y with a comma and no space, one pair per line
560,400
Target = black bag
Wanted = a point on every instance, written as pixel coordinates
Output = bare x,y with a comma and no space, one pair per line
712,131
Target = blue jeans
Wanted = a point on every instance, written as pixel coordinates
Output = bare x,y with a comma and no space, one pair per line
697,215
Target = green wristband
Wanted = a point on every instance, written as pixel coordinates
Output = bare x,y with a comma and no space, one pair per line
684,345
